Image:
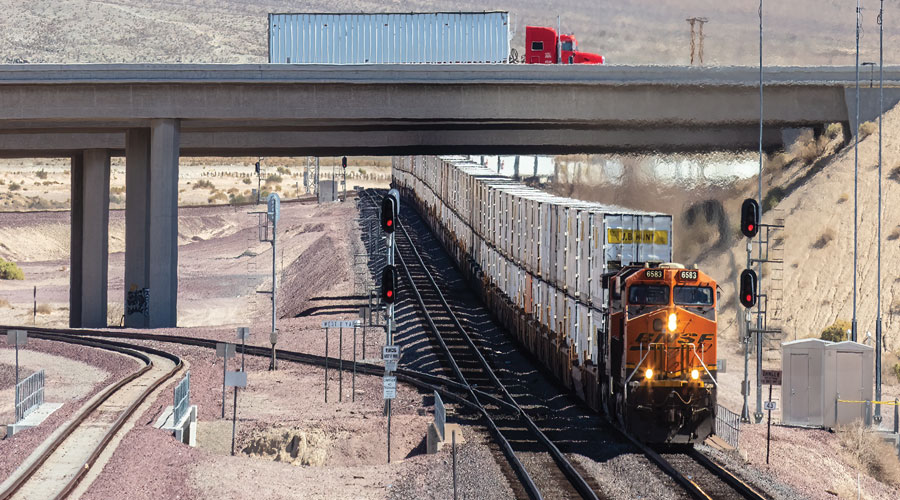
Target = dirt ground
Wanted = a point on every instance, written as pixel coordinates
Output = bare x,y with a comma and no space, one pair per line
289,442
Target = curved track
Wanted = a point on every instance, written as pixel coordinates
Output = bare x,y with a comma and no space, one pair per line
56,468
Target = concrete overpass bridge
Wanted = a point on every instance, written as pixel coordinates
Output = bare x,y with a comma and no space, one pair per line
153,114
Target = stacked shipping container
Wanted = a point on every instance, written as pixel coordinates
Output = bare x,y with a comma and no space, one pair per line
545,255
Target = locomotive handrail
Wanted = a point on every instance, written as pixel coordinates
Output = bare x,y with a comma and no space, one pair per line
643,357
694,350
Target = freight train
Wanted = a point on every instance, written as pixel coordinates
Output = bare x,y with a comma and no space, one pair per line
588,289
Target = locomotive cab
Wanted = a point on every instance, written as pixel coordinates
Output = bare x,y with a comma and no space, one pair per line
662,352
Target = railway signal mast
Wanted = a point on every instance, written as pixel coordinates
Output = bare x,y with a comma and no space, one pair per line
750,296
389,209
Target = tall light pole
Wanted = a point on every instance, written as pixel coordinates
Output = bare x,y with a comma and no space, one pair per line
758,416
878,284
855,180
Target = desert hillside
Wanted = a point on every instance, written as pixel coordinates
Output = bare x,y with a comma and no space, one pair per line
802,32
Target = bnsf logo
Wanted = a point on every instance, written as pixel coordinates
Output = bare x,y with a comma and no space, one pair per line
702,341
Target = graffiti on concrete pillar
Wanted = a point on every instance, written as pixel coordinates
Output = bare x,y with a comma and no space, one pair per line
138,302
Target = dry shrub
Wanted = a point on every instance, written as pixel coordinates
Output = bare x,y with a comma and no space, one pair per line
844,197
218,196
41,174
4,302
247,180
115,314
837,332
117,189
834,130
204,184
870,454
10,271
894,234
866,129
824,240
44,309
894,175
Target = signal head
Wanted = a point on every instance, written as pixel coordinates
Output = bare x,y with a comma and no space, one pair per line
344,162
747,292
388,214
749,217
388,284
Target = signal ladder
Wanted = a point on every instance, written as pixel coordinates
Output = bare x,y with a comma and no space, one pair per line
770,305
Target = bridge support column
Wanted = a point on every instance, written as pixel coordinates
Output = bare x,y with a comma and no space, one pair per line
90,239
137,226
162,246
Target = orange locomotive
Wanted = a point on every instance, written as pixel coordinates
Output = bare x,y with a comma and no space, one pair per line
659,362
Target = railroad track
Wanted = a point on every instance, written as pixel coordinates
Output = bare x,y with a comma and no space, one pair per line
702,477
698,475
515,432
56,469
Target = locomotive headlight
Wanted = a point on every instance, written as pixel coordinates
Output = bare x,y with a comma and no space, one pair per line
695,374
673,322
649,373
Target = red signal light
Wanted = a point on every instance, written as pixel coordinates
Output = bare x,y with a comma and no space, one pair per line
390,222
388,284
750,227
748,288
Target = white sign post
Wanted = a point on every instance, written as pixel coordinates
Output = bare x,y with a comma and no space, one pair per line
391,355
224,350
17,338
236,380
273,212
389,386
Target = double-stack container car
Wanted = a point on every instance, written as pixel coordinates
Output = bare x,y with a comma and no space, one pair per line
571,280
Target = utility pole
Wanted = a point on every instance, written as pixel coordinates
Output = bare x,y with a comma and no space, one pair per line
699,21
877,416
759,333
856,179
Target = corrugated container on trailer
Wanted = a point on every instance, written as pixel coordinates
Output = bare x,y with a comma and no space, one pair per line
412,38
551,216
542,298
553,308
572,214
636,237
597,325
514,225
524,230
584,331
520,230
561,246
583,285
571,320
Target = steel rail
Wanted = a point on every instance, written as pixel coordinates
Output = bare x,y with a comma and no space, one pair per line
576,479
515,463
84,414
722,473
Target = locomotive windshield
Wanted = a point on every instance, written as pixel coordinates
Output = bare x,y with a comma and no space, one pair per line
648,294
693,296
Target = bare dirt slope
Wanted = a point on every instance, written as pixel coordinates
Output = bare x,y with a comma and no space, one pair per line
803,32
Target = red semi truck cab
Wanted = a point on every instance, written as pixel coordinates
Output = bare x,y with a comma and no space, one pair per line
540,48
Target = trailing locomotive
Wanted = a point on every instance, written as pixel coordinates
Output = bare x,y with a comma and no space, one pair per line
589,289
